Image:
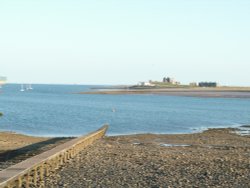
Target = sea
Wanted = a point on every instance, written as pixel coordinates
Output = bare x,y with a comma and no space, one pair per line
58,110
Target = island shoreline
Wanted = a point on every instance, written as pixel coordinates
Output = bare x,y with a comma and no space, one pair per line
185,92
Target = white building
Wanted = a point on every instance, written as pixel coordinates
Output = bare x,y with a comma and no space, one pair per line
145,84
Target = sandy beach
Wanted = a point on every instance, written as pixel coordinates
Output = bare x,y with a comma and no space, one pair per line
12,141
15,148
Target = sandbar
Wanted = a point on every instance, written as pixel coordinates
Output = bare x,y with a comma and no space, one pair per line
222,92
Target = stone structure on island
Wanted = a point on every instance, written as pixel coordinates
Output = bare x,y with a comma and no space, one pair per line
170,81
193,84
149,83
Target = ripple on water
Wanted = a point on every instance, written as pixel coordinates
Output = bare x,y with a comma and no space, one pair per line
243,130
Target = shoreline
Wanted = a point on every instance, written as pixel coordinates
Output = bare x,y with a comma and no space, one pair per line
10,140
214,157
222,92
239,127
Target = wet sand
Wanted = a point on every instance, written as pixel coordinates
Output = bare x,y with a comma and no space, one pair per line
214,158
12,141
15,148
222,92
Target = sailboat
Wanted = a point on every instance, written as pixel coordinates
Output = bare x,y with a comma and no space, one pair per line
22,89
28,87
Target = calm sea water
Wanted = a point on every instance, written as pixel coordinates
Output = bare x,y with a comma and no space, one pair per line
54,110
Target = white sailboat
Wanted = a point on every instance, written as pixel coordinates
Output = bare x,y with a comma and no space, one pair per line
28,87
22,88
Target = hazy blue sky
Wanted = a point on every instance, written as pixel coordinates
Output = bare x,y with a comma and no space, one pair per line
125,41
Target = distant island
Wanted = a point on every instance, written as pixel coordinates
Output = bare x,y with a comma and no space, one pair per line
168,82
171,87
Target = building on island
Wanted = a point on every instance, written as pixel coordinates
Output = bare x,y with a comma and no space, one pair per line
208,84
193,84
170,81
146,84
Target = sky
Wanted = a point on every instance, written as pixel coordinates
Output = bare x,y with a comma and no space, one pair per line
125,41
